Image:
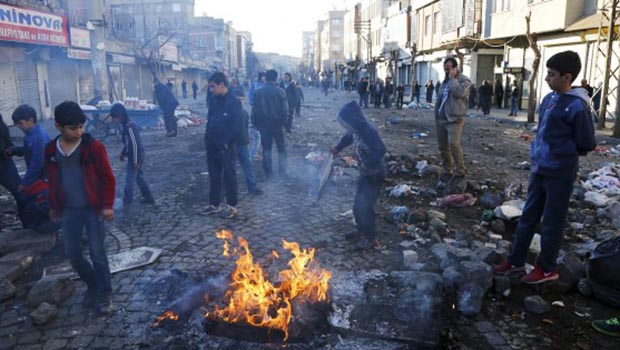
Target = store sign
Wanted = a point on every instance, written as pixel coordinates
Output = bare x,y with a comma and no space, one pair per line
33,27
123,59
80,38
79,54
513,70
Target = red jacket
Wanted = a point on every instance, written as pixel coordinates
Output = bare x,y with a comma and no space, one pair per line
99,181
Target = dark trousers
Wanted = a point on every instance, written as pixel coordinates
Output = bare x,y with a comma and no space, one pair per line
132,177
267,137
170,121
9,177
96,275
377,101
399,102
547,197
485,104
498,100
387,101
363,99
221,166
194,94
368,190
298,109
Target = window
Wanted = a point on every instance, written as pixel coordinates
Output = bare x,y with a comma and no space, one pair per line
176,7
336,21
502,5
427,25
436,22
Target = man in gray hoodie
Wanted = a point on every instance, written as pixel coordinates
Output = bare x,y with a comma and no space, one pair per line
450,111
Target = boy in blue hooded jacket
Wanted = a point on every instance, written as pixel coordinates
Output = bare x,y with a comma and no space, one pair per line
369,151
565,132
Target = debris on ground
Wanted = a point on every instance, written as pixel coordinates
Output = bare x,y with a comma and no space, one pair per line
457,200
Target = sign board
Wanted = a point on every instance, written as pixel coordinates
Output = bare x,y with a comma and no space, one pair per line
513,70
123,59
33,27
80,38
77,54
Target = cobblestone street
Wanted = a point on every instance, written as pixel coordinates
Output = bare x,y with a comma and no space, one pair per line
176,170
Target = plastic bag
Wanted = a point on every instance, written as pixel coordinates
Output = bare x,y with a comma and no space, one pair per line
604,271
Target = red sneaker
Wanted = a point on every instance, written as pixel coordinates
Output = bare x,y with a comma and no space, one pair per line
506,268
539,276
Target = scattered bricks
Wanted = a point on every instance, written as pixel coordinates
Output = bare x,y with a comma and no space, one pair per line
410,257
438,224
44,313
503,244
469,298
478,272
536,305
7,289
451,277
494,238
51,290
488,255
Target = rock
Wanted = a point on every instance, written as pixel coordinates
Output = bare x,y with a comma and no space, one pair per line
596,199
437,214
499,227
536,305
15,264
52,290
501,284
570,269
584,287
504,244
490,200
494,238
473,187
451,277
439,225
615,223
44,313
488,255
510,210
535,245
449,255
613,211
410,257
469,299
477,272
455,187
7,289
13,241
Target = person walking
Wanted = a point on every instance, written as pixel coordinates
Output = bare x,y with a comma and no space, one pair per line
450,111
300,100
133,150
369,150
194,88
292,97
400,96
388,91
430,88
223,129
243,154
81,192
486,96
514,99
184,88
565,132
416,91
499,93
168,103
269,116
362,90
378,90
472,96
254,134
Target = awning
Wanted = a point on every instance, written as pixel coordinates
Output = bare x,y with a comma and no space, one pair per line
590,22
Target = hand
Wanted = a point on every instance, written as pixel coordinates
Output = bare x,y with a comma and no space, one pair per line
54,216
137,166
108,214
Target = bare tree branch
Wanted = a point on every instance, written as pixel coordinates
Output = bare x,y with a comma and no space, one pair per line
533,44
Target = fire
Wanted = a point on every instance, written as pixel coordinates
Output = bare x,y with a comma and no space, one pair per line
226,236
253,299
168,315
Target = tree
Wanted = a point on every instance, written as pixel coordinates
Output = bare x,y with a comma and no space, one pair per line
533,44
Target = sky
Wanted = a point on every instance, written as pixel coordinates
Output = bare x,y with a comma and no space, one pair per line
276,25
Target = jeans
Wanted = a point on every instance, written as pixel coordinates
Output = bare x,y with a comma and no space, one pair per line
96,275
244,160
547,197
254,142
221,164
449,140
387,101
267,138
513,105
368,190
138,177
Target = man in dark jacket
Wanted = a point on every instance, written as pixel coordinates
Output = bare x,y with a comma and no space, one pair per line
269,116
168,104
9,177
369,151
388,91
362,90
223,128
292,96
499,93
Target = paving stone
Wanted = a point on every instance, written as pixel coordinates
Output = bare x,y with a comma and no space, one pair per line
7,342
51,290
7,289
477,272
43,314
484,326
81,342
536,305
469,298
30,337
55,344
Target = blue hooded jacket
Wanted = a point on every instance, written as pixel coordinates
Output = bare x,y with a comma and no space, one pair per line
565,131
33,152
369,147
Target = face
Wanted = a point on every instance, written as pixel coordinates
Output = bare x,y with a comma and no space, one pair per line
70,133
26,125
287,79
218,89
556,81
447,68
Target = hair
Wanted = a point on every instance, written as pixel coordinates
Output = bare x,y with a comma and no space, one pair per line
287,74
452,60
566,62
218,78
271,75
261,75
24,112
69,113
119,111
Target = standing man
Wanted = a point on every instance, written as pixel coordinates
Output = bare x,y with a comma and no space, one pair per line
486,94
416,91
430,88
269,115
514,99
388,91
291,94
223,129
300,94
450,111
378,89
168,104
400,93
499,93
194,88
9,177
362,90
184,88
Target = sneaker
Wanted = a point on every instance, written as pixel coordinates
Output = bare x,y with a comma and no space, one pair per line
610,327
229,212
538,276
506,268
212,209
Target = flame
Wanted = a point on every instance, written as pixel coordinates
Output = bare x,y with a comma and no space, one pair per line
275,254
168,315
253,299
226,236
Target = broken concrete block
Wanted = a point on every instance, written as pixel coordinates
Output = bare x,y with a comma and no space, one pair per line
570,269
410,257
51,290
451,277
478,272
45,313
469,298
501,284
536,305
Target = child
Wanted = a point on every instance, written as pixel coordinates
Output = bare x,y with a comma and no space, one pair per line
369,149
134,151
25,117
565,132
82,193
242,148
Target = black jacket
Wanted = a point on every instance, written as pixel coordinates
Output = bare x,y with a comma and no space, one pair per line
5,137
244,138
224,121
292,95
132,143
165,98
270,109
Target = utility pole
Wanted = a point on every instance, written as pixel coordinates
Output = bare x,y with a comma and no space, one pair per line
96,26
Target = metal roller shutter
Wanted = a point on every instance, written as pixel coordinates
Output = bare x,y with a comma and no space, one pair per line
28,84
8,91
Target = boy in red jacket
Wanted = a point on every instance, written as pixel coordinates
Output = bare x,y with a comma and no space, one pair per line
81,190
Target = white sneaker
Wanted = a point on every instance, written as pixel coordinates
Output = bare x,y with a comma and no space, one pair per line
212,209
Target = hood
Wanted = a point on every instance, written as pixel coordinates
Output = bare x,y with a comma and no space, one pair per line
351,115
579,92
